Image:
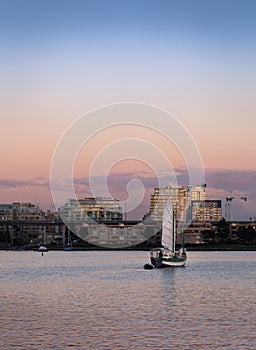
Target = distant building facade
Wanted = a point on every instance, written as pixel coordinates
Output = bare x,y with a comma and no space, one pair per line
100,209
23,233
209,210
190,207
115,235
185,201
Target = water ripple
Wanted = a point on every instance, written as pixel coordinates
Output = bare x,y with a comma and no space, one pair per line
91,300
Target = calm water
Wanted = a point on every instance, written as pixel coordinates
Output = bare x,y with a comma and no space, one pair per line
105,300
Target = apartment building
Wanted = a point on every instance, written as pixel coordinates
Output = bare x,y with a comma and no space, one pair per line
185,201
100,209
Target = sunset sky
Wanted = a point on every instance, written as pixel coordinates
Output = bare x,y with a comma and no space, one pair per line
195,59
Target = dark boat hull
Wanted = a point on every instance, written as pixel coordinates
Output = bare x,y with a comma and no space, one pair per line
148,267
167,262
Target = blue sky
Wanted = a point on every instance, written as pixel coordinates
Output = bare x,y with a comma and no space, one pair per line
225,21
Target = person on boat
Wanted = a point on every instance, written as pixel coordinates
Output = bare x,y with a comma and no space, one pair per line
160,255
183,254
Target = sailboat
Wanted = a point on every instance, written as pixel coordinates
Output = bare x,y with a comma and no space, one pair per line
167,254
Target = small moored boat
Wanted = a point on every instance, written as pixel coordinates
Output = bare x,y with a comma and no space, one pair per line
43,248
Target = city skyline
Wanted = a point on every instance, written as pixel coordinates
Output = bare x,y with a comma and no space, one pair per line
194,59
195,193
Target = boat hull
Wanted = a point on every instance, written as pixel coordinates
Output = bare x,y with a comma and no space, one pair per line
174,262
148,267
168,262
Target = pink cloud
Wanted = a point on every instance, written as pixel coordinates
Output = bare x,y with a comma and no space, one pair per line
221,183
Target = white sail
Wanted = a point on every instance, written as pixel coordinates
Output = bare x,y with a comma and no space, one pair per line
168,236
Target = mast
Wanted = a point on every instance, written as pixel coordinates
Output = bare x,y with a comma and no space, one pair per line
69,237
173,232
44,237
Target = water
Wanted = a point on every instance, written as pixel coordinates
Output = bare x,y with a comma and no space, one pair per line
106,300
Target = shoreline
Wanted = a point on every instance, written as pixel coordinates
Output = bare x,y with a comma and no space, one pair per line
207,247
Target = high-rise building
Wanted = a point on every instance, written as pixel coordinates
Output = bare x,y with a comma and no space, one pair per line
185,200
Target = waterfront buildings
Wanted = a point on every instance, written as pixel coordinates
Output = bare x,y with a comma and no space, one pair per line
188,202
100,209
112,235
21,212
192,211
25,223
99,220
185,200
210,210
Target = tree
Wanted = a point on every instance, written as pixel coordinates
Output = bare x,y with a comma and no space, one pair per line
223,230
247,234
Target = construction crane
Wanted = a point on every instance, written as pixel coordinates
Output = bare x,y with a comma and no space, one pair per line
228,212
